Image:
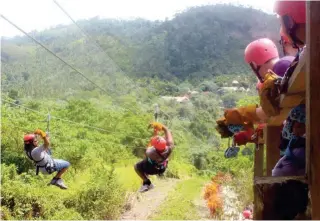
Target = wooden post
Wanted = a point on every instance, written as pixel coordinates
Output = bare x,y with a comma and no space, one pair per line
272,138
258,161
258,172
313,105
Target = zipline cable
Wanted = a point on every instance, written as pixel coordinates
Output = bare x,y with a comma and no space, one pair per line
51,52
57,118
73,68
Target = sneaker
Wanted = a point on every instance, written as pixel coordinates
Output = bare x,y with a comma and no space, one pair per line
53,181
59,183
151,186
144,188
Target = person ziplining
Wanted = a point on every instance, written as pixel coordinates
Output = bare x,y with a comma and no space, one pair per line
41,156
156,156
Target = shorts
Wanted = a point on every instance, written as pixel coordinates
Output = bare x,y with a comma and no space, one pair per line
146,167
61,164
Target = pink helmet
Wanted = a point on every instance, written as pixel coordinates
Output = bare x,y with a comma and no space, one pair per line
295,9
246,214
260,51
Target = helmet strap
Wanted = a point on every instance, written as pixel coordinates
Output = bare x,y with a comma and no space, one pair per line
292,28
282,43
256,71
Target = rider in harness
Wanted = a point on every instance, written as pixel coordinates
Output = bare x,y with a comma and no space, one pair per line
41,156
156,159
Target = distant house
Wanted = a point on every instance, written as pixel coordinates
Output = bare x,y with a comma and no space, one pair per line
182,99
235,83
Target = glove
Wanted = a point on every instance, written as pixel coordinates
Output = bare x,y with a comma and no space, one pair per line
243,137
156,125
41,133
257,137
270,95
223,129
243,115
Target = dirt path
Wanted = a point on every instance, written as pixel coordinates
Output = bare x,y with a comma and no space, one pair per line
202,208
141,205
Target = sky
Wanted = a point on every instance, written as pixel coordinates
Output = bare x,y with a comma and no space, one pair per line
43,14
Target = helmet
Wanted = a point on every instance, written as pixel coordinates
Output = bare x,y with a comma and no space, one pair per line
260,51
295,9
159,143
28,138
282,65
246,214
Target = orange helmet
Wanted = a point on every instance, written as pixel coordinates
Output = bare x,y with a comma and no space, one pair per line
159,143
29,138
260,51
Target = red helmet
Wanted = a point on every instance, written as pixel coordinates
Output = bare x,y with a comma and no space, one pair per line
295,9
246,214
28,138
260,51
159,143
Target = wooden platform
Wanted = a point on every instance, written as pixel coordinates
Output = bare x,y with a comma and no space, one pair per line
281,198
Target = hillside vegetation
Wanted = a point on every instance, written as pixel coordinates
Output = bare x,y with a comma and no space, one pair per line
101,128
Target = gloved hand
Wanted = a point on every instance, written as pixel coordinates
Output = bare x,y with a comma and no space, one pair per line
157,126
257,137
41,133
243,137
243,115
222,128
270,94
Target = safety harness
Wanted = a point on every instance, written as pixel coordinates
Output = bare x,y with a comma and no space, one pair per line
49,166
160,166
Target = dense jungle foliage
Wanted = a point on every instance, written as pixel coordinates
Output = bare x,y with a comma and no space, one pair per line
136,64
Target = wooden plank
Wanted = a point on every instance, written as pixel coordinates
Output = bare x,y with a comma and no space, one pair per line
278,120
292,100
258,161
278,179
297,82
258,171
281,198
272,138
313,105
258,204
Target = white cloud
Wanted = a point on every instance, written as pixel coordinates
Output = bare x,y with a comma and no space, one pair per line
41,14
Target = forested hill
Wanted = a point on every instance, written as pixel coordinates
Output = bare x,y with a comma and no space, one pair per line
191,65
198,43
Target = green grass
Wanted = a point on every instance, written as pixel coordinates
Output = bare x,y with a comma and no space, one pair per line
128,178
180,202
